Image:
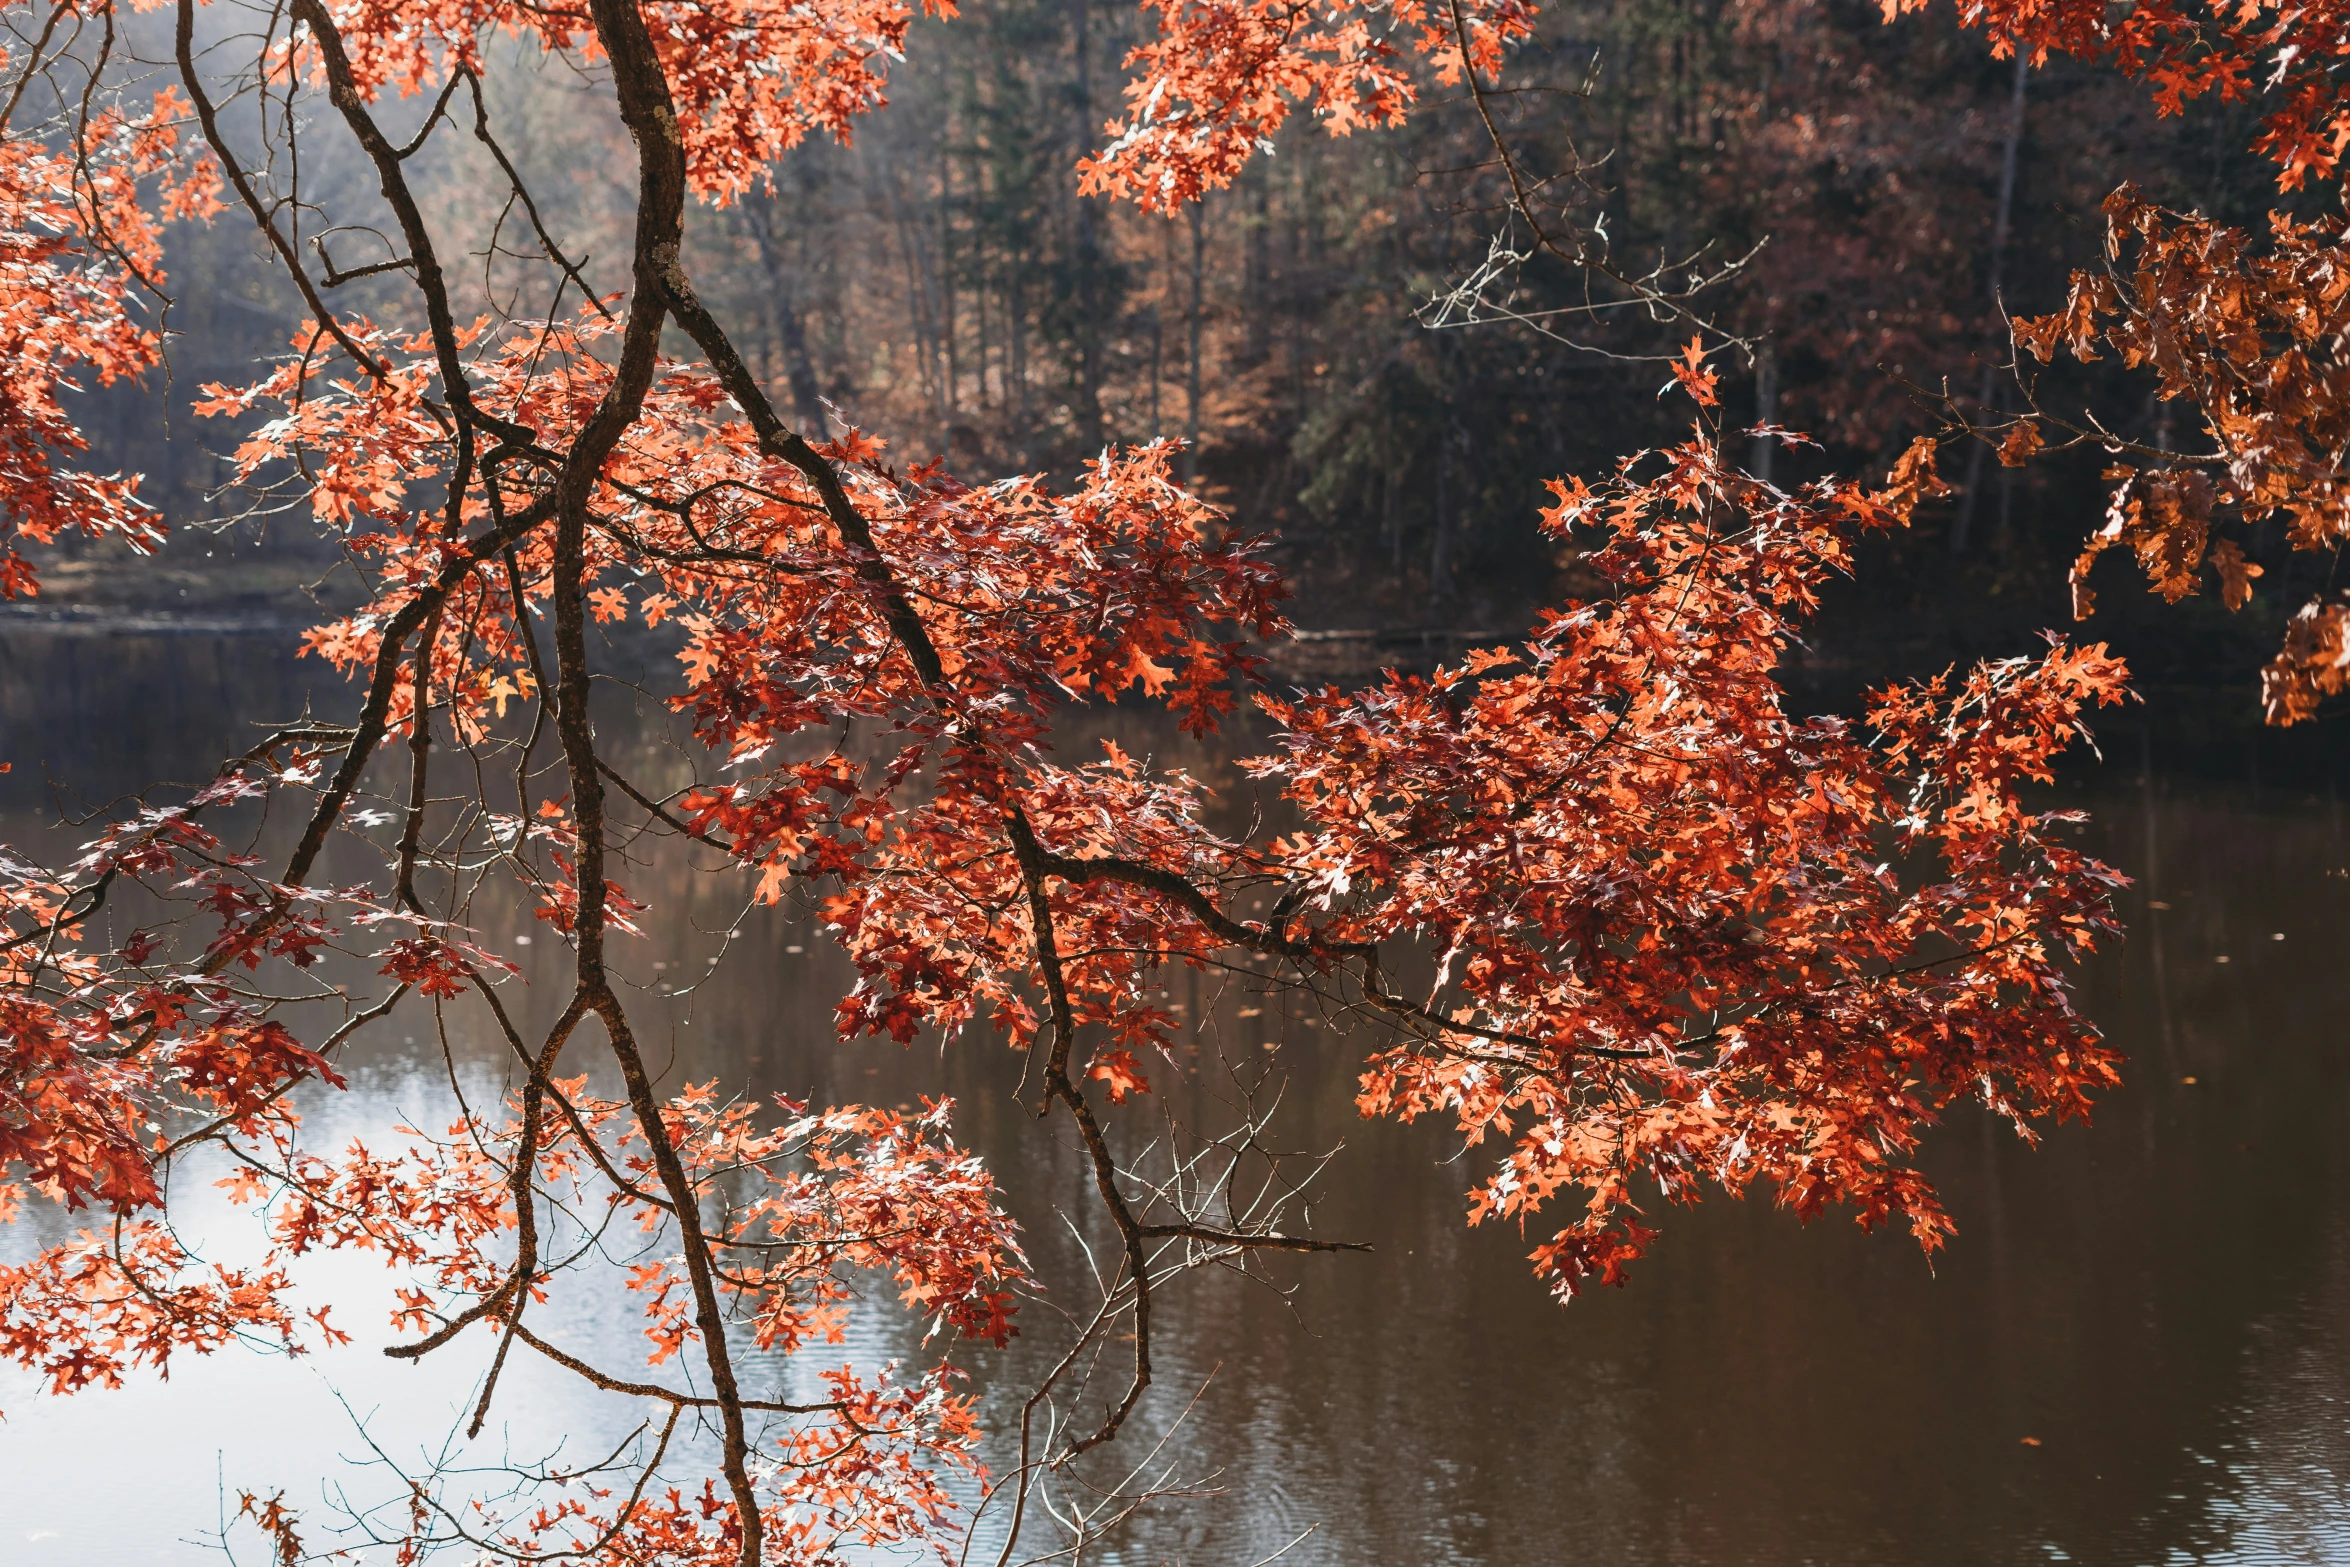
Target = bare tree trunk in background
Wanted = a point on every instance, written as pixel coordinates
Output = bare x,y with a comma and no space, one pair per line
1304,273
1199,262
1766,371
798,372
1260,264
950,387
979,298
1439,544
1986,399
922,302
766,350
1392,518
1089,327
1016,351
1159,319
1293,313
1766,411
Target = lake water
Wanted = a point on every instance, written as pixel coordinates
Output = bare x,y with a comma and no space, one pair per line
2137,1350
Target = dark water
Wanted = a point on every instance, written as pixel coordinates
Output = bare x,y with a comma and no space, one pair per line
2160,1301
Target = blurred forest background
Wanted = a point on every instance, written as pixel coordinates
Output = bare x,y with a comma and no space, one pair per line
1883,190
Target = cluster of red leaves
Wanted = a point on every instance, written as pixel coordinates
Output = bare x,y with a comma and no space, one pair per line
751,78
817,1200
84,1312
867,1480
857,1189
102,1056
1688,936
957,943
1210,90
96,1044
843,1191
1031,599
2251,338
110,1058
2243,327
76,240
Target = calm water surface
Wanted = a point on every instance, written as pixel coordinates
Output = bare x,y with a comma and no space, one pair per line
2160,1301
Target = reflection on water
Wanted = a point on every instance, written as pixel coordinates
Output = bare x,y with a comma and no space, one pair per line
2160,1302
